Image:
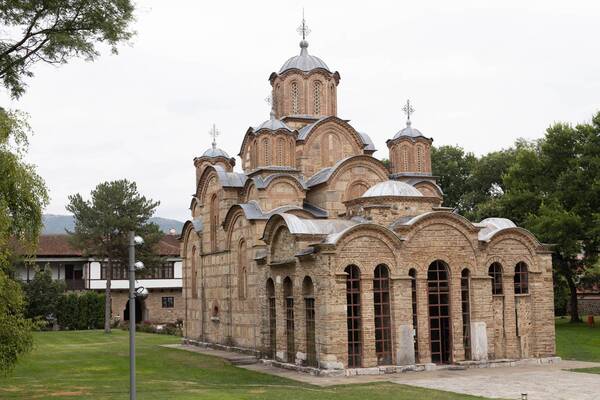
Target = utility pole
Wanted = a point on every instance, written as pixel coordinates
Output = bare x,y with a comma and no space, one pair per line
132,389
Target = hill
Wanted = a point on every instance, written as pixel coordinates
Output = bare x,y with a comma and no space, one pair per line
54,224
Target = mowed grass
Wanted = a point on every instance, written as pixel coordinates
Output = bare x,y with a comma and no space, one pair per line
578,342
92,365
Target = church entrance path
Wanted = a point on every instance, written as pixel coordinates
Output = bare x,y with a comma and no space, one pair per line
553,381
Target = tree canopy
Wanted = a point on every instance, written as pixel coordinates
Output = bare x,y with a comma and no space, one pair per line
103,223
54,31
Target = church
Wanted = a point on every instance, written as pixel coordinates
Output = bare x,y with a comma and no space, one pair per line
319,255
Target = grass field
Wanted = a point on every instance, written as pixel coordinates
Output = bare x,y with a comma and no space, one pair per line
92,365
578,342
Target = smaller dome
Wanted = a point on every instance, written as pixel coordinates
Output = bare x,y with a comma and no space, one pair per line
215,152
392,188
304,62
272,124
409,131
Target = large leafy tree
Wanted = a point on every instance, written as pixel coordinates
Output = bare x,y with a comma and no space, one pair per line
454,169
102,225
553,189
53,31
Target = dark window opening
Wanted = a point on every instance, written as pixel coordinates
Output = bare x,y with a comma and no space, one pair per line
495,272
168,302
466,311
381,302
413,288
438,291
521,279
353,316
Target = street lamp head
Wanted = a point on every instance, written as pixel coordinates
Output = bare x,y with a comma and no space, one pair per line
138,265
141,292
138,240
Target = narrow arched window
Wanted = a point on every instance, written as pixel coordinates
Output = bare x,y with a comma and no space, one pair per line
404,151
242,270
413,291
295,95
266,150
214,221
280,154
317,97
521,278
438,293
194,275
272,317
353,316
465,283
288,298
309,308
419,159
383,325
495,272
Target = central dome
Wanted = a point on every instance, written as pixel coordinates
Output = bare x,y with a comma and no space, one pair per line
392,188
304,61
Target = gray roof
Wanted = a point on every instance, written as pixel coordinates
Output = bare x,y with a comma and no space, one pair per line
262,183
198,225
306,129
304,61
252,210
301,226
230,179
272,124
215,152
491,226
410,132
370,146
324,174
392,188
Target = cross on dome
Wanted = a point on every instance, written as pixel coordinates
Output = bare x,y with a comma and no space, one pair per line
303,29
408,110
214,133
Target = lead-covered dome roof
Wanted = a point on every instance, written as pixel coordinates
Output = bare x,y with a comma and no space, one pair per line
392,188
214,152
410,132
304,61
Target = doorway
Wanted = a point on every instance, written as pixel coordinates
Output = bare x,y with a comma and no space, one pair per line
138,311
438,290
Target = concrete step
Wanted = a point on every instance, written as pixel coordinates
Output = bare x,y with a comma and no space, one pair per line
244,360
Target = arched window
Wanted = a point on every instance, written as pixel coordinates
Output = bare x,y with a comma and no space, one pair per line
419,158
242,270
413,290
278,100
404,151
280,154
383,328
254,154
295,95
266,150
194,275
353,316
214,221
272,317
521,278
309,307
288,298
495,272
438,291
317,97
465,283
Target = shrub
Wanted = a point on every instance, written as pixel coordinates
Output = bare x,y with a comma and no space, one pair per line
81,311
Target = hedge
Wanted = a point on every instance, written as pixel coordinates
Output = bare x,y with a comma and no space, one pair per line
80,311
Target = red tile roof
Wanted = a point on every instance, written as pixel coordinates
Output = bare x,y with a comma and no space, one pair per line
58,245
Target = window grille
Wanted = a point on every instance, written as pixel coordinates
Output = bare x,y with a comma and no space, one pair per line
295,98
495,271
353,316
317,97
381,301
521,279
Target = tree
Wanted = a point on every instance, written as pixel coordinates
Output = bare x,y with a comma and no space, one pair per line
15,330
42,295
55,31
454,168
102,225
553,189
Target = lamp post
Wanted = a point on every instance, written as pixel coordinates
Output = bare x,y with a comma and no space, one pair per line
133,266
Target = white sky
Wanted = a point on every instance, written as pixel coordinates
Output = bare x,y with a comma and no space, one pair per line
480,74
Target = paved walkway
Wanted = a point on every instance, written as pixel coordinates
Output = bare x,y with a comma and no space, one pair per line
540,382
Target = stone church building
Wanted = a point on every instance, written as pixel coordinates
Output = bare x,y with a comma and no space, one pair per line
317,254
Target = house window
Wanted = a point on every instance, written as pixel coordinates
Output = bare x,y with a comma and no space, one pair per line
466,311
266,152
521,279
309,309
214,221
288,298
404,151
272,317
419,159
194,274
280,155
118,271
495,272
168,302
242,270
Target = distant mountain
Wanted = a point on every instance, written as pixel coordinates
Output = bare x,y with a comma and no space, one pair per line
54,224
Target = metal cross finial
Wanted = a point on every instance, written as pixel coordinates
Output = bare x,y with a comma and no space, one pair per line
214,133
303,29
408,110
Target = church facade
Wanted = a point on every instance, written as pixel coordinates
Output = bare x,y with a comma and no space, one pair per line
318,254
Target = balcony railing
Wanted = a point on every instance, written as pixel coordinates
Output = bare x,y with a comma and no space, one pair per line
75,284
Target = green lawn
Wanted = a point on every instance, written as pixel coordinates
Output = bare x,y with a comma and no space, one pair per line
92,365
578,342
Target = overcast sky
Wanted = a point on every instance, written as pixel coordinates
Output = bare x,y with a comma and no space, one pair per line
480,74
